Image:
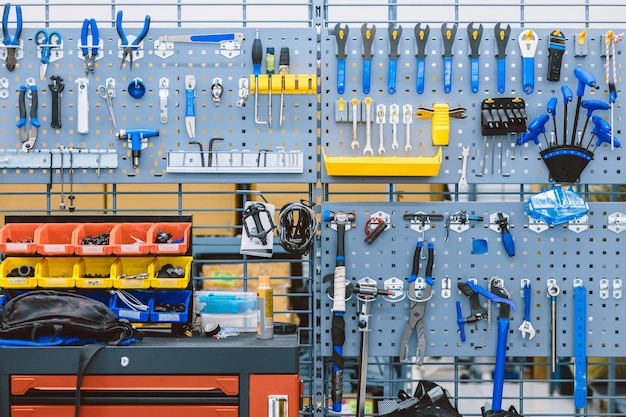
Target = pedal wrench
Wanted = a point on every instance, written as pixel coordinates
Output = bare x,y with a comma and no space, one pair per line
526,328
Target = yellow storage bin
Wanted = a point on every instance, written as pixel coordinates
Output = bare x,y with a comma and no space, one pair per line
56,272
161,262
132,272
94,272
18,272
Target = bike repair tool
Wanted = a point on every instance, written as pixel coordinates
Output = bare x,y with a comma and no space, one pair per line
394,119
381,111
502,38
591,106
341,221
421,222
71,207
474,35
459,222
528,41
440,115
356,106
137,140
420,291
89,48
553,292
394,42
367,36
283,70
136,88
526,328
46,42
164,92
478,312
368,127
535,128
447,35
407,119
130,49
580,344
270,65
56,87
11,42
201,148
257,59
217,90
366,292
556,49
375,226
190,110
62,169
107,93
551,108
230,43
28,137
499,222
463,179
584,78
604,136
421,39
567,98
341,35
82,106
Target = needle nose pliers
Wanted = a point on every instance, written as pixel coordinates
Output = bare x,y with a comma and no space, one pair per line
129,48
11,42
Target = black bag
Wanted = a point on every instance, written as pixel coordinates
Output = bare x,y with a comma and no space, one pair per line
429,400
50,313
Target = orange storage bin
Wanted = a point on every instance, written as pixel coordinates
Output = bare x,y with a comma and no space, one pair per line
18,238
92,230
18,272
56,272
132,272
130,238
182,262
94,272
55,238
180,238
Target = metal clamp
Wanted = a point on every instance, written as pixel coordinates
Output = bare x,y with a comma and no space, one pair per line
616,222
164,92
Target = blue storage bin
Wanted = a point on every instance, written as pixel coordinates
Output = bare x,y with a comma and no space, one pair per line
124,311
175,302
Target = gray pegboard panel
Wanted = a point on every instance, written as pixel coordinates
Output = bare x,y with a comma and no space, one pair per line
283,154
505,162
590,251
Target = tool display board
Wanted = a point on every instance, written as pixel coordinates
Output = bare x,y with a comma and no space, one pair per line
587,250
493,158
231,145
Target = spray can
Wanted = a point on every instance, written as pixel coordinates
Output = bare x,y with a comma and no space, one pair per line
265,308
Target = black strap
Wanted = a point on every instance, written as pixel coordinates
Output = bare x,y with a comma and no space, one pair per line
87,353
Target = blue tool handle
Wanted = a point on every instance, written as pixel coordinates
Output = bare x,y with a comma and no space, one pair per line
509,245
367,72
391,83
526,136
34,103
498,373
460,320
421,73
95,36
429,264
447,74
491,296
501,76
213,38
474,74
190,108
22,106
341,76
528,75
527,302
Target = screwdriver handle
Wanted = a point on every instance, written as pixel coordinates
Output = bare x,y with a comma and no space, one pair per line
270,63
509,245
460,321
257,54
283,60
421,71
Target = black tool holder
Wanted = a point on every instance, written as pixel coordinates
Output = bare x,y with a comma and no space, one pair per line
511,412
566,162
502,116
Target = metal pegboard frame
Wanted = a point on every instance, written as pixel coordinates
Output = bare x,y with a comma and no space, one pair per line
284,152
492,158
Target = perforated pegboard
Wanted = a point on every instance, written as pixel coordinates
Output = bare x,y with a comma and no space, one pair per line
284,152
499,157
590,251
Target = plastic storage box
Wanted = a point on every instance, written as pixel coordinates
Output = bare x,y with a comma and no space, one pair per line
132,272
18,272
94,272
232,309
87,230
170,306
180,237
56,272
124,310
18,238
55,238
130,238
163,262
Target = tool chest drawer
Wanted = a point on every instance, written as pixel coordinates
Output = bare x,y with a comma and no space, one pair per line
125,410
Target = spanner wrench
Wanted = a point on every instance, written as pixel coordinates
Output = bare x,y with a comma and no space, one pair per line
526,328
394,118
407,119
528,44
553,292
368,127
355,121
464,153
381,114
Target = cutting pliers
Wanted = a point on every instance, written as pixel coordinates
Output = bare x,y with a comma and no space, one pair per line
420,291
129,48
90,51
11,42
28,137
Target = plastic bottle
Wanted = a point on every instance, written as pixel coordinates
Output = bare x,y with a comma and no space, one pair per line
265,309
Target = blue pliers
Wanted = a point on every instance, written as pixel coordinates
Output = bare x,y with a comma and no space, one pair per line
12,42
129,48
28,136
90,51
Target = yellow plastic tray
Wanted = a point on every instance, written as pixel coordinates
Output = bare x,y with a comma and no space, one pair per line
86,269
178,283
56,272
387,166
131,266
11,263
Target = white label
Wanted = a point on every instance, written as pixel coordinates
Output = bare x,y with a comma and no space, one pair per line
17,247
167,317
129,248
94,283
130,314
18,281
54,248
92,249
167,247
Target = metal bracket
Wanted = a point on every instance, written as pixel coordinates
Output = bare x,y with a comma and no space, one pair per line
244,91
617,288
604,288
164,92
395,285
420,221
229,48
446,290
19,50
90,46
4,87
493,221
56,52
616,222
579,225
137,52
535,225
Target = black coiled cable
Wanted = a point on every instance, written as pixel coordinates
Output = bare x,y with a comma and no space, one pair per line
296,227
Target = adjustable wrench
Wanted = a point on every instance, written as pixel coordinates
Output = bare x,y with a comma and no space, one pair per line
394,118
528,44
355,121
368,127
381,111
407,119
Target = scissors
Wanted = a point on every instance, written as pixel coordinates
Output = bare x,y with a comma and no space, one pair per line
107,92
46,41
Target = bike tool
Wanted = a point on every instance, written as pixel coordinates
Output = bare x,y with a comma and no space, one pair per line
580,344
567,98
130,49
283,70
190,109
11,42
89,47
502,38
137,140
367,36
585,78
394,43
46,42
551,108
478,312
552,293
421,38
447,35
526,328
341,221
556,49
28,137
499,222
528,41
535,128
341,35
459,222
270,65
56,87
375,226
474,35
604,133
591,106
257,59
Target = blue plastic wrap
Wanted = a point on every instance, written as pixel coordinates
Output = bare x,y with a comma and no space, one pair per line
556,205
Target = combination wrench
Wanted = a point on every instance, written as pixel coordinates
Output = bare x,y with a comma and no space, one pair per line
407,119
368,127
381,115
394,118
355,121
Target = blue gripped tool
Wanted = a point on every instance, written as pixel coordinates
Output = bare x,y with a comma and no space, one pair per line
507,239
502,38
474,35
567,98
394,42
421,38
447,35
584,78
591,106
535,128
138,140
89,54
341,34
11,41
367,35
46,41
551,108
129,49
528,41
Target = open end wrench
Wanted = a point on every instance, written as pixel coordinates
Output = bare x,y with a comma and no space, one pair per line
528,44
394,119
526,328
464,153
407,119
355,121
368,150
381,114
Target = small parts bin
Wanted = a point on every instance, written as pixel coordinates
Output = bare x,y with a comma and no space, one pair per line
132,305
93,239
170,306
56,272
94,272
18,238
170,272
19,272
131,238
55,238
132,272
169,238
